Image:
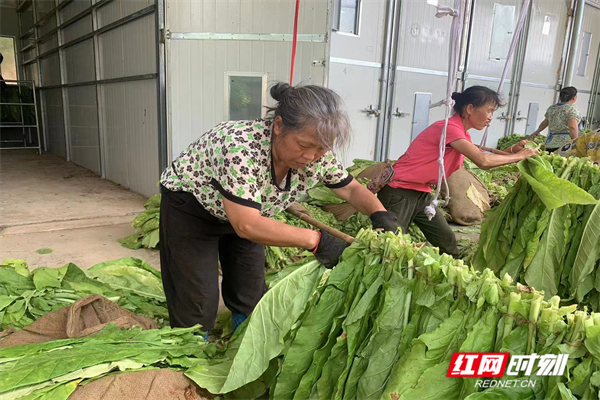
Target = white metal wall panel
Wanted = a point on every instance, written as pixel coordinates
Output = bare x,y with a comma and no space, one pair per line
79,62
131,134
197,73
129,49
74,8
49,44
82,123
547,30
50,70
55,122
77,29
118,9
243,16
591,23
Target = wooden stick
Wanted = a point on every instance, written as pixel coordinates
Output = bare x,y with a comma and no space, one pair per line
318,224
495,151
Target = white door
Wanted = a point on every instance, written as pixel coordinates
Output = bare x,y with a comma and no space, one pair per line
494,23
421,73
355,69
542,65
586,58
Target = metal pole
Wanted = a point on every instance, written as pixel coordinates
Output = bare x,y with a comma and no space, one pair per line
37,122
560,75
466,44
383,81
575,42
391,91
517,74
161,85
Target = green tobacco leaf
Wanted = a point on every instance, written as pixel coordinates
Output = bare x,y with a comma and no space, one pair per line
505,393
20,266
312,333
45,250
130,274
426,352
47,278
131,242
542,272
263,339
58,391
589,250
552,190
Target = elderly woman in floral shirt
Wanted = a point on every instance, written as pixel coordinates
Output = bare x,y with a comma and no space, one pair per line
562,120
219,195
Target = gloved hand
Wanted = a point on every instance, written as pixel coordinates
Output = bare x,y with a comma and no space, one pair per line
385,220
329,249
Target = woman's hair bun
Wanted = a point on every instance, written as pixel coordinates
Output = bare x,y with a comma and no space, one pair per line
279,90
456,96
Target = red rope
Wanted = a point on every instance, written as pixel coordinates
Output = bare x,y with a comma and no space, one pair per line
294,41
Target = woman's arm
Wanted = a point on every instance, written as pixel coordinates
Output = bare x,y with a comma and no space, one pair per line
360,198
573,127
541,128
487,161
249,224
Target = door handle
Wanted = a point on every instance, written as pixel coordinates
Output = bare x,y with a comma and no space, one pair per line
370,110
503,116
398,113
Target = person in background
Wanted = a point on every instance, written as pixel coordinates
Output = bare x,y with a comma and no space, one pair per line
562,120
219,195
2,83
409,191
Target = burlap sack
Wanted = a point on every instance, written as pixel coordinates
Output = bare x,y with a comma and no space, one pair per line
84,317
163,384
469,198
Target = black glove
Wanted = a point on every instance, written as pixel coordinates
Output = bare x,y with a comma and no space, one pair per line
329,249
385,220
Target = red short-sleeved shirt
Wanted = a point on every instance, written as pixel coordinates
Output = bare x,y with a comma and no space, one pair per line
417,169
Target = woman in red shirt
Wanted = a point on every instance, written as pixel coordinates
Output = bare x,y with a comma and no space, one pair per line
409,191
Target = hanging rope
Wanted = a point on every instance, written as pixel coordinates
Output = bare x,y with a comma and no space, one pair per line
455,37
295,39
511,51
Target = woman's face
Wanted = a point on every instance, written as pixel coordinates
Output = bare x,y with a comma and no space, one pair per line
480,117
297,149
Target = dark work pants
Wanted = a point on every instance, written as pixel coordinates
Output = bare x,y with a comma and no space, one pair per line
192,242
409,206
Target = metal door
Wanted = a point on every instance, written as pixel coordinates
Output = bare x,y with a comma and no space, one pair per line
354,72
421,73
587,56
542,63
493,24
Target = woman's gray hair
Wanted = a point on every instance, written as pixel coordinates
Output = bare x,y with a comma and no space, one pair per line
311,105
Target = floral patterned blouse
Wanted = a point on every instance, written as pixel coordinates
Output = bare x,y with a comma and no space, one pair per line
558,116
233,160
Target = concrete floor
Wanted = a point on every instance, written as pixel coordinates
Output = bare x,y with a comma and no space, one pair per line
46,202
